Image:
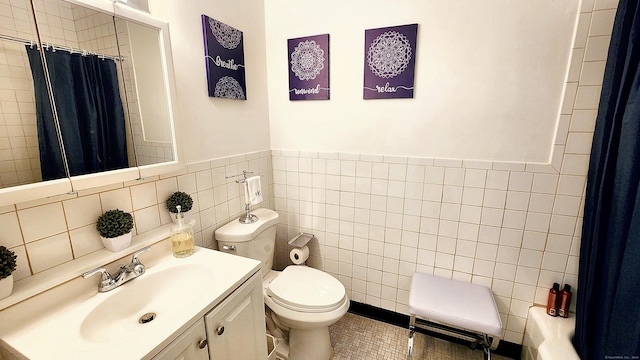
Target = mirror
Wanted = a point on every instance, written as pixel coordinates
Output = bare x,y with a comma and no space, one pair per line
156,149
82,63
19,155
20,158
89,24
147,95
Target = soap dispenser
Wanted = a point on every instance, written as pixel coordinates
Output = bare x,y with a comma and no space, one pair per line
182,243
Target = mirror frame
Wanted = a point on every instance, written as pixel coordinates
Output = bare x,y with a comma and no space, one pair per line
28,192
105,6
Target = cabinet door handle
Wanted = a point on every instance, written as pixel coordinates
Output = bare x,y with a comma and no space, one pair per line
202,344
220,330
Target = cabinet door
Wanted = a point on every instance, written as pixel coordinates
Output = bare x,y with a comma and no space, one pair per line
236,327
190,345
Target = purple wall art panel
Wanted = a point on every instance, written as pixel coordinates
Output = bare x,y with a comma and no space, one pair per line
309,68
389,62
224,55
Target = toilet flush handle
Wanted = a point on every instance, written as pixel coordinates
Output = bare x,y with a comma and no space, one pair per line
229,247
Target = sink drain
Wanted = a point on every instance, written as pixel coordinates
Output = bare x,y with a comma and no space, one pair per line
148,317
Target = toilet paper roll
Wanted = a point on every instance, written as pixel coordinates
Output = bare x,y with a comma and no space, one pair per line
299,255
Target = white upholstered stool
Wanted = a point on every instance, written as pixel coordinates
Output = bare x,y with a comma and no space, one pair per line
470,308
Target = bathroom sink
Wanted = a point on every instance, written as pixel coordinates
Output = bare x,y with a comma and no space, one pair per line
75,321
153,297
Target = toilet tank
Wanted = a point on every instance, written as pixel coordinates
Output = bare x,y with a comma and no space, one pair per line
256,241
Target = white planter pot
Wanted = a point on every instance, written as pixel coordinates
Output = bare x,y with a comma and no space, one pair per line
6,286
117,243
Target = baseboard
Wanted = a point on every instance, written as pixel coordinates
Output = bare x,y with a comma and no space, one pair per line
505,348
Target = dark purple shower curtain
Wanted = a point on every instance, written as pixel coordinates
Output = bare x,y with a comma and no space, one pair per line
89,108
608,298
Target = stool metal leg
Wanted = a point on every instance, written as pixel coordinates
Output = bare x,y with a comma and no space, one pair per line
494,342
487,353
489,345
412,329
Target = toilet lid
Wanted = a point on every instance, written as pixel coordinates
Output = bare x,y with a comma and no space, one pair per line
302,288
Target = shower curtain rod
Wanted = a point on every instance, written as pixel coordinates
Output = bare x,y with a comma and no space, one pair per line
59,47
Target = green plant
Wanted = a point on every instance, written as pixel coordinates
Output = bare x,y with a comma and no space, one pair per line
7,262
179,198
114,223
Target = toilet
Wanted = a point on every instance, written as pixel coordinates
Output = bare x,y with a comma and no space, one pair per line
302,300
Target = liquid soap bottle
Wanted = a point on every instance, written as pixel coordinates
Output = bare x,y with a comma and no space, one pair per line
182,243
552,301
565,301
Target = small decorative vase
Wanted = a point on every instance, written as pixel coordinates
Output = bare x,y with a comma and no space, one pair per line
117,243
6,286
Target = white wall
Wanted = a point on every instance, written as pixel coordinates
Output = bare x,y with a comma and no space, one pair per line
213,127
489,78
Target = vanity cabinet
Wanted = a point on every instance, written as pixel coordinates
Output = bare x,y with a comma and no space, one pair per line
233,330
191,345
236,328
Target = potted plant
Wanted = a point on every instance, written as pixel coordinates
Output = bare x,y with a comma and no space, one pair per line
115,227
7,267
179,198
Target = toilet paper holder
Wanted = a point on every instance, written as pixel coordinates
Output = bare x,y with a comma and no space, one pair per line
301,239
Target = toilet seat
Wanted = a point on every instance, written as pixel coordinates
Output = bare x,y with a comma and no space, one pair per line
305,289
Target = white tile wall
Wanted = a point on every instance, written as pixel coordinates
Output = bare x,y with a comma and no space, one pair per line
49,232
502,235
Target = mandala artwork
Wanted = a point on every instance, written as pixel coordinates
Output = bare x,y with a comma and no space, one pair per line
307,60
226,35
390,62
230,88
389,54
224,58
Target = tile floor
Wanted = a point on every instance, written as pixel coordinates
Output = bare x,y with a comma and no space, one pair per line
357,337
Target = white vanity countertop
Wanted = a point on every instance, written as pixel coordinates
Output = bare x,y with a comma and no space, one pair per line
52,325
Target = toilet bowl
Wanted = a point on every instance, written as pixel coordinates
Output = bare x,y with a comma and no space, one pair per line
303,301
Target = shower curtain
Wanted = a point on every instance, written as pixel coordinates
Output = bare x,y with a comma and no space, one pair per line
608,298
90,112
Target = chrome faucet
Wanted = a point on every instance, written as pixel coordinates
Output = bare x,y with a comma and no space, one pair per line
126,273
